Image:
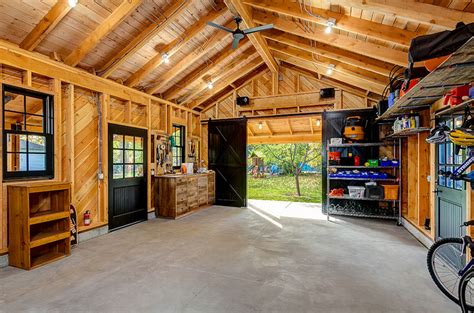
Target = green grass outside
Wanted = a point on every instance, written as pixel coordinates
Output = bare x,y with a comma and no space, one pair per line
283,188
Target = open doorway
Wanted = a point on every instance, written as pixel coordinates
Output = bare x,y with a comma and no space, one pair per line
285,172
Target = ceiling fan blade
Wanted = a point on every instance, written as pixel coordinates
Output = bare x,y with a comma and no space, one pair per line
220,27
258,29
235,42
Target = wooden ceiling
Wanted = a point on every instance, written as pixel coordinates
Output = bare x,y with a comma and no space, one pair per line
125,40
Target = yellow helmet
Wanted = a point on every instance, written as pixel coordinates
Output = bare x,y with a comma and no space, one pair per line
462,137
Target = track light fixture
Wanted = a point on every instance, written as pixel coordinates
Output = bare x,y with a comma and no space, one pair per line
330,69
210,85
331,22
72,3
166,58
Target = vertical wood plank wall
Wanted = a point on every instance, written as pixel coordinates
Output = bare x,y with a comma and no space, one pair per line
77,137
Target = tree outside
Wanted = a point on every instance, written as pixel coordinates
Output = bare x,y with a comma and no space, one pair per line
289,172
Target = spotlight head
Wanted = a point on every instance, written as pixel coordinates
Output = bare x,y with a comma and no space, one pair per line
329,25
210,85
166,58
330,69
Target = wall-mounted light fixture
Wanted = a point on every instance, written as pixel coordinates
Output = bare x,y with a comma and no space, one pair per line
72,3
260,125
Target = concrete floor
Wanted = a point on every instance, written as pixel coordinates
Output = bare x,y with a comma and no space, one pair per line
272,257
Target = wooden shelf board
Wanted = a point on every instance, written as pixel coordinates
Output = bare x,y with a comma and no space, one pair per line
363,167
408,132
43,238
359,144
48,217
435,85
363,179
46,258
456,110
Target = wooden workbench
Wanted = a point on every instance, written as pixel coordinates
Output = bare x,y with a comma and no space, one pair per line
179,195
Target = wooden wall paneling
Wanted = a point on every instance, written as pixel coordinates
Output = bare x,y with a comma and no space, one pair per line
423,190
118,110
352,101
86,154
412,177
138,114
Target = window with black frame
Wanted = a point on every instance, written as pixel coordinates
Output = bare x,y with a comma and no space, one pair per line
28,123
449,160
178,145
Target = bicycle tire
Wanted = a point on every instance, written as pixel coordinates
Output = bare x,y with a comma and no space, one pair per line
462,290
429,262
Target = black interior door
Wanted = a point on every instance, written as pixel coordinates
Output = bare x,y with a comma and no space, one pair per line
228,158
127,176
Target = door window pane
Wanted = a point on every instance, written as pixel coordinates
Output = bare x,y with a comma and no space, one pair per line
118,156
128,156
442,153
138,170
138,156
117,141
441,178
138,143
118,171
129,142
128,171
449,181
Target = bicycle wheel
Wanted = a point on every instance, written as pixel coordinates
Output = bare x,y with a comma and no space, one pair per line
445,260
466,291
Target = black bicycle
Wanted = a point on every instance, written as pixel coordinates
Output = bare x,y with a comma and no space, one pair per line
450,270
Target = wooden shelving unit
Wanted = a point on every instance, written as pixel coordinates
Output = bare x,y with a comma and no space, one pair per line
39,223
456,110
408,132
436,84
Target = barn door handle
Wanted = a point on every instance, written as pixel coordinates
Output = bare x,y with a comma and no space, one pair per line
436,191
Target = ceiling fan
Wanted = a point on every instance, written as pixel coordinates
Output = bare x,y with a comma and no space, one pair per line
239,34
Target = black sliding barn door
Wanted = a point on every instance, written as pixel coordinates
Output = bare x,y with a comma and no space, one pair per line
228,158
127,176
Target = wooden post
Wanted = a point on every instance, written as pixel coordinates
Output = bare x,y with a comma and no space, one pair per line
27,78
148,156
105,103
70,137
58,175
274,83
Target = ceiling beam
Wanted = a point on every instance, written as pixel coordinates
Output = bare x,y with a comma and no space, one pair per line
285,138
189,60
46,25
255,62
126,8
238,9
330,52
173,47
219,74
345,73
171,13
203,71
344,22
415,11
372,50
309,70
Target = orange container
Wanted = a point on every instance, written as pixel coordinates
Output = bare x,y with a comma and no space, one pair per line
390,192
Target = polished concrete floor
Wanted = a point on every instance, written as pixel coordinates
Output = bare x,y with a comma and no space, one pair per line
272,257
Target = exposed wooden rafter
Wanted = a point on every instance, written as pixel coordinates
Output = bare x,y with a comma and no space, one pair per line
173,47
223,71
115,18
203,71
46,25
331,52
412,10
255,62
239,9
344,22
171,13
351,75
187,61
372,50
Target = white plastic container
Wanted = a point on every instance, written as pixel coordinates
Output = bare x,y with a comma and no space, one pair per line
356,191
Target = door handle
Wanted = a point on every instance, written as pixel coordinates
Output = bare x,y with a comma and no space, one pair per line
436,191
